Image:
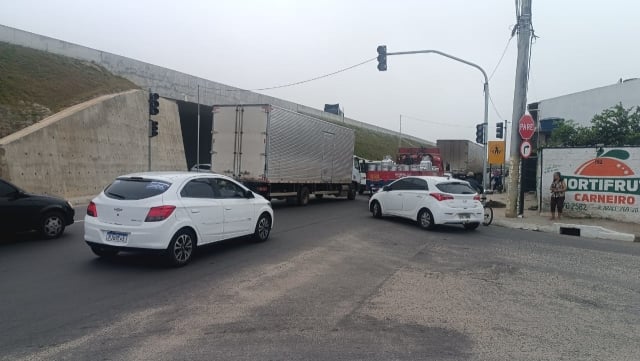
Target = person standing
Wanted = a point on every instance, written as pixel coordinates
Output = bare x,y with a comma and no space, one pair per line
473,182
558,187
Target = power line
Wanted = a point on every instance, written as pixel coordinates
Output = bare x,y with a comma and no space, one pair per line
308,80
504,52
495,109
432,122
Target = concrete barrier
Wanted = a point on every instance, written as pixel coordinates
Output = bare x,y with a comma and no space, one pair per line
77,152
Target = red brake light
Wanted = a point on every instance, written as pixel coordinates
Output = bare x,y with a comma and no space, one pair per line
157,214
476,197
441,196
92,211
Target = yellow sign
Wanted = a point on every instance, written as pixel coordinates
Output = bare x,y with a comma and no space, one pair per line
496,152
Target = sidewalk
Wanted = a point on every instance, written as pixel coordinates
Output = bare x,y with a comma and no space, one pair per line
584,227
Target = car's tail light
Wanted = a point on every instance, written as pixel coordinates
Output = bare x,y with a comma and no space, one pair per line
92,211
441,196
476,197
157,214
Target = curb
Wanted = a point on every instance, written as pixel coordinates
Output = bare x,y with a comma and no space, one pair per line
579,230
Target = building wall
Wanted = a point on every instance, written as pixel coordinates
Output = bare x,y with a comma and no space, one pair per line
77,152
583,106
170,83
603,184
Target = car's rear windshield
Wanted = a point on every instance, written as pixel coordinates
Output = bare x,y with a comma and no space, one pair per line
135,188
455,188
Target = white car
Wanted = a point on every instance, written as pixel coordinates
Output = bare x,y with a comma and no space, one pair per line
430,201
173,213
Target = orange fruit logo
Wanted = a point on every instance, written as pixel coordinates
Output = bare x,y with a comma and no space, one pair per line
608,164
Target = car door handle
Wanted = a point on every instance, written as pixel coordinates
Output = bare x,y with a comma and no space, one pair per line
195,211
227,209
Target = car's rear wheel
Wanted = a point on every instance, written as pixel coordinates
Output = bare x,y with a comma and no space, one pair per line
104,251
425,219
263,228
376,209
181,247
52,225
471,226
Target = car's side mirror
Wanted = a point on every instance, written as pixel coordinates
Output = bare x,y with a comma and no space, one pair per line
249,194
386,188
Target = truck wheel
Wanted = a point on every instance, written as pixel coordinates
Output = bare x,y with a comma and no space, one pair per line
351,195
303,196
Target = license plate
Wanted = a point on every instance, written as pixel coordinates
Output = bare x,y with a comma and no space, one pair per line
464,216
117,237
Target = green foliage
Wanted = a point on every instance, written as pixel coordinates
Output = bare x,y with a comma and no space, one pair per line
374,145
615,126
35,84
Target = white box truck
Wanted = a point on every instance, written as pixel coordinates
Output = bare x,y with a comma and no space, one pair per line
282,154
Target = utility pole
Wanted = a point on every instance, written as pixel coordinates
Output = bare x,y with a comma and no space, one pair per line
400,134
519,106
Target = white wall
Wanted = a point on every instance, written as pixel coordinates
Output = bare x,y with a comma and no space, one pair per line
583,106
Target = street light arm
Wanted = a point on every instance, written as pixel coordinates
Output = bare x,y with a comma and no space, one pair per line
485,124
486,79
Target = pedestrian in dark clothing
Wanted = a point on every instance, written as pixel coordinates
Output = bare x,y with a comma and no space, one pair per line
474,183
558,187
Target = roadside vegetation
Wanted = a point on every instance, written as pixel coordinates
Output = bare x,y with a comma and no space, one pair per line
615,126
35,84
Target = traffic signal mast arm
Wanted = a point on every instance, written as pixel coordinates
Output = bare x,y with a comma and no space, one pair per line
382,66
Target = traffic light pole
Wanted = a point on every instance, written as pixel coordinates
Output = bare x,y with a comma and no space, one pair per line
149,145
149,137
485,123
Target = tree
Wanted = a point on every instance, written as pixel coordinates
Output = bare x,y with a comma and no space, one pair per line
615,126
569,134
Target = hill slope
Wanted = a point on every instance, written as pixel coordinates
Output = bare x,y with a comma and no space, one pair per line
35,84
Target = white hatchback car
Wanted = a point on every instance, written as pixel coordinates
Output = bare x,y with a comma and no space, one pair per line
429,201
173,212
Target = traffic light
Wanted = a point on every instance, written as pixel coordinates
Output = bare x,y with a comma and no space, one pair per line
154,103
382,58
480,133
154,129
499,130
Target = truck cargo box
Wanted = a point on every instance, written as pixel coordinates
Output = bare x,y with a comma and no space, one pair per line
261,143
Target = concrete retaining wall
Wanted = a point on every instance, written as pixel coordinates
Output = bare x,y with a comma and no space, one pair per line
80,150
170,83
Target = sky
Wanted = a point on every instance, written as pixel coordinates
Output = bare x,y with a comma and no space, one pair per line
254,44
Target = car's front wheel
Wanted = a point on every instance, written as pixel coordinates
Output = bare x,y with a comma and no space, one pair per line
376,209
52,225
263,228
181,247
425,219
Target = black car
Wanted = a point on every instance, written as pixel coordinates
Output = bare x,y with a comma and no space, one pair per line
23,211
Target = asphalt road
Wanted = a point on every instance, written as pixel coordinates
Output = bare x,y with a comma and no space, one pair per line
332,283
